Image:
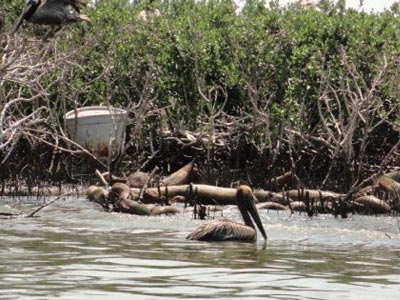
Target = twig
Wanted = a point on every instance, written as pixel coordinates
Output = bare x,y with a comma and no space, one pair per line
47,204
153,155
101,177
144,187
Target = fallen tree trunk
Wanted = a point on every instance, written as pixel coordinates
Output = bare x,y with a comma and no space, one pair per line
205,194
208,194
395,175
314,195
388,184
368,184
182,176
306,200
272,206
265,196
371,204
284,181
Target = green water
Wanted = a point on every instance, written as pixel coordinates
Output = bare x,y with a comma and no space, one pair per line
74,251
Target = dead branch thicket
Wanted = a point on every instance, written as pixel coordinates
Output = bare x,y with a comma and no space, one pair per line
353,114
21,87
356,121
357,132
35,91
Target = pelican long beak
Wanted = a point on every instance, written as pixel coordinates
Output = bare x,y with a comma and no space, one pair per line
21,18
256,218
84,18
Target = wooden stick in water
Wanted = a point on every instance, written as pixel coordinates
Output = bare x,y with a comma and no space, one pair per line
46,204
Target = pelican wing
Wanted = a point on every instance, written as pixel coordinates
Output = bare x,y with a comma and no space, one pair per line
76,4
223,230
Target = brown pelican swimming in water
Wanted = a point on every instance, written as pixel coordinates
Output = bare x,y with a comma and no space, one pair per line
52,12
226,230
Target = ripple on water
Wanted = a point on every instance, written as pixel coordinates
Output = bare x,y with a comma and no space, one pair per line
75,252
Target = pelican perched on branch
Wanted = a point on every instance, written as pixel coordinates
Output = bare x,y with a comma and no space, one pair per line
226,230
52,12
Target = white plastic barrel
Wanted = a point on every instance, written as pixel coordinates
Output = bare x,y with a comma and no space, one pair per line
99,129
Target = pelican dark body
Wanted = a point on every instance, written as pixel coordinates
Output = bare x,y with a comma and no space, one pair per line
226,230
52,12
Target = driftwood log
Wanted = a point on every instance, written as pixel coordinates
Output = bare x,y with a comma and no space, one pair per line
208,194
126,199
371,204
284,181
388,185
182,176
314,195
265,196
367,185
395,175
310,200
119,199
139,179
272,205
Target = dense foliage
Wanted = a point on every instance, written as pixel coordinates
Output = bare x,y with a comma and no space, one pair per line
313,89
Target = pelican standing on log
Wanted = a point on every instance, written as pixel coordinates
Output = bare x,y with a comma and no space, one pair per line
52,12
226,230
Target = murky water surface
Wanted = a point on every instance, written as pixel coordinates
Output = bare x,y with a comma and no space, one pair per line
74,251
